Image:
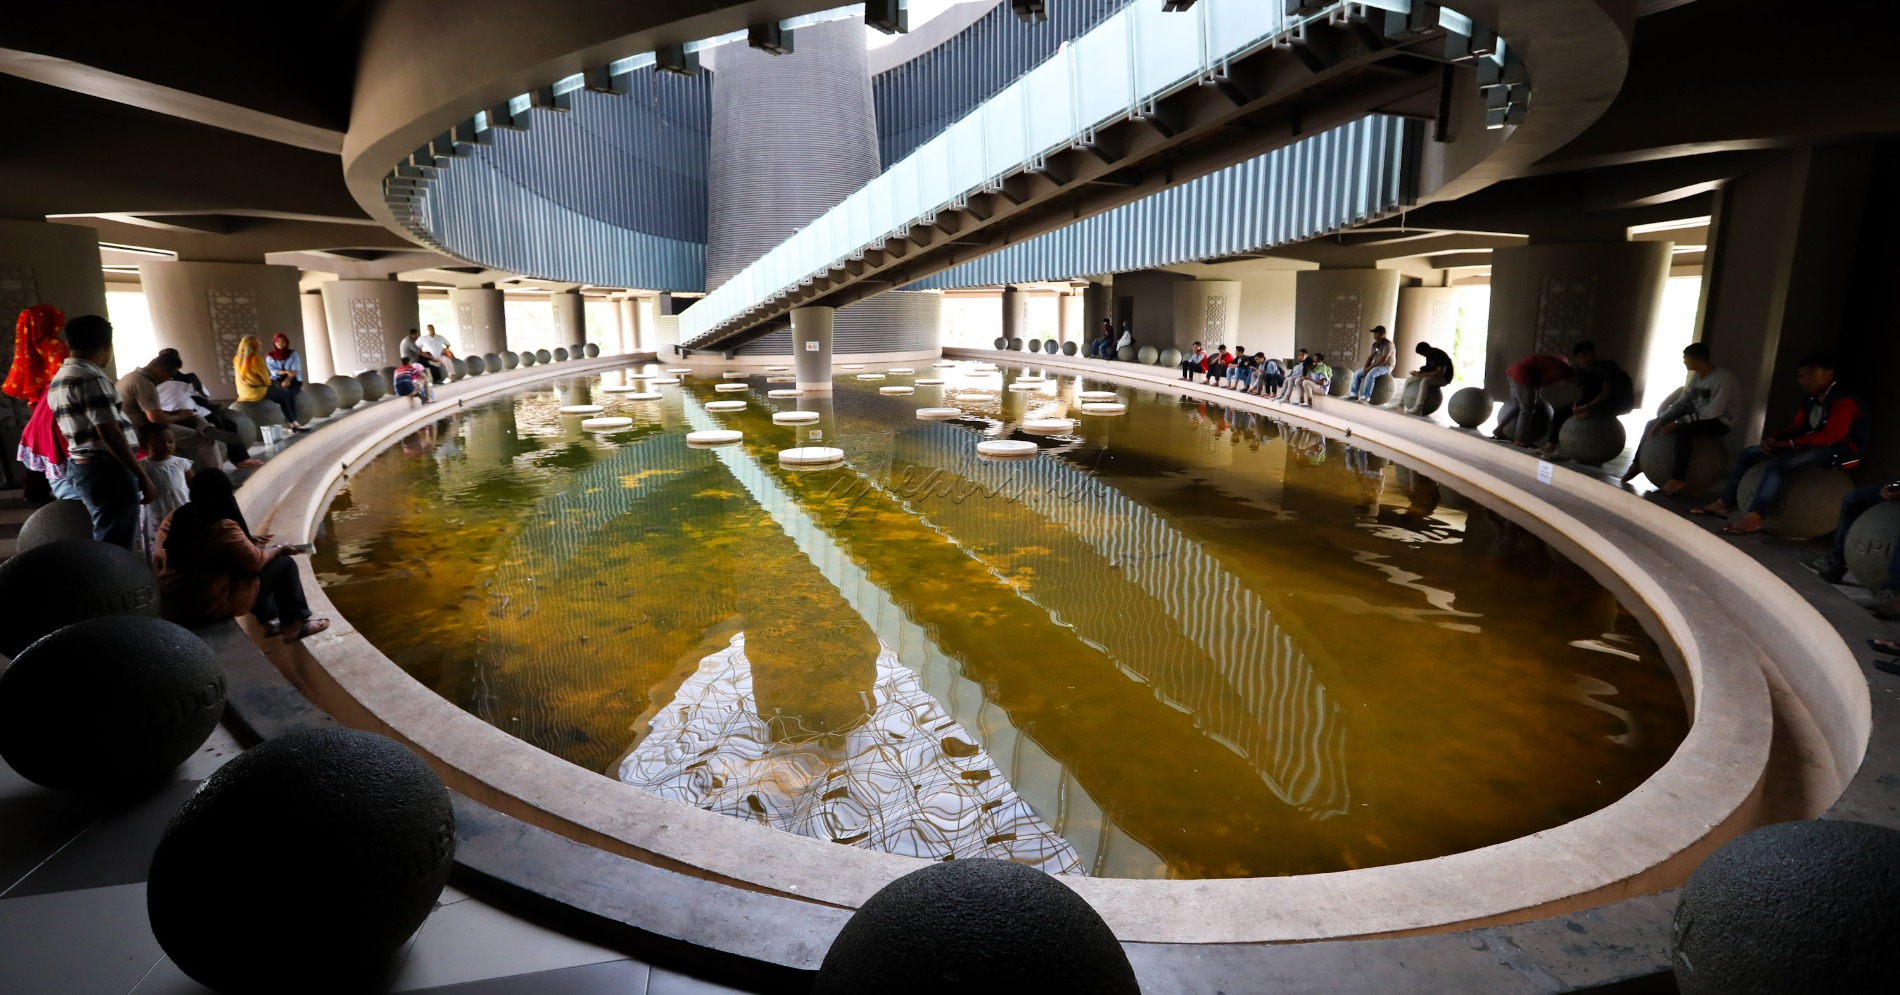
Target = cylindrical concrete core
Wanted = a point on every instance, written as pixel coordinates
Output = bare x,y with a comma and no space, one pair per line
570,319
1547,298
205,309
481,321
1428,315
811,347
318,365
368,319
1012,313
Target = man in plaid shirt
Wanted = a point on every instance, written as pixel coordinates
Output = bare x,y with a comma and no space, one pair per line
98,437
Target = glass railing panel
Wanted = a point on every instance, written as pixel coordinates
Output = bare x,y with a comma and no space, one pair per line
1103,79
1167,45
1048,110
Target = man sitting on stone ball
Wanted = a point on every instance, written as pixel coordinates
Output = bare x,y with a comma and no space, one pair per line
1435,370
1832,565
1605,390
1378,364
1529,376
1827,431
1705,406
413,351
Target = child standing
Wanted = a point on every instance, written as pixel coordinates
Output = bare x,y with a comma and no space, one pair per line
170,481
412,380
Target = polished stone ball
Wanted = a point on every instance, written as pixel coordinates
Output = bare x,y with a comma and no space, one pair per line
306,407
375,385
1382,390
1433,399
349,391
1147,355
1708,461
260,412
1034,345
1052,347
590,350
1869,544
53,522
476,366
1126,354
560,355
1170,357
109,703
1068,349
1810,504
458,368
51,586
509,360
975,925
1001,343
1592,441
544,356
1470,406
242,424
1539,420
527,358
303,864
1016,345
323,397
1798,908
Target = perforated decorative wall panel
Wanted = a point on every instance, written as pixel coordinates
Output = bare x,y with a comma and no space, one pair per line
1344,324
233,316
1214,322
1566,312
366,327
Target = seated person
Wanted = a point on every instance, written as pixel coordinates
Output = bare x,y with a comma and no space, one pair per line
1378,364
211,568
1705,406
1127,341
1529,376
1828,431
1318,378
412,380
1195,362
1240,369
1268,375
1832,565
254,382
1604,391
413,352
285,367
142,399
1435,370
1294,372
185,392
1217,364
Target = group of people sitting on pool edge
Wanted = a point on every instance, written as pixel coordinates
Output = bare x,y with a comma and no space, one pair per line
1307,373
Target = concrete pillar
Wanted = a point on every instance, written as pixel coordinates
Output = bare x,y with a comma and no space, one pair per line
318,363
1012,314
633,316
1206,311
811,347
1096,302
1426,314
1064,312
1547,298
570,319
204,309
41,263
1780,278
481,321
1334,311
368,319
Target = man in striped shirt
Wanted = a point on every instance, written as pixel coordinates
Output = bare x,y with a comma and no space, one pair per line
98,437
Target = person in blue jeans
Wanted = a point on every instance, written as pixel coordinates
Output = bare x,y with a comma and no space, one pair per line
1378,364
85,403
1828,431
1832,565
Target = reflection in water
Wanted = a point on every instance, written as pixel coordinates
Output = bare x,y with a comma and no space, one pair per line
1189,641
906,778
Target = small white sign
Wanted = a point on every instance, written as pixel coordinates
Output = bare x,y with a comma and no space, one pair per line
1544,471
817,434
811,347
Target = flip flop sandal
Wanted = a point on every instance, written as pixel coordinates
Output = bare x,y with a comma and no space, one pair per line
1730,530
1702,512
310,627
1884,646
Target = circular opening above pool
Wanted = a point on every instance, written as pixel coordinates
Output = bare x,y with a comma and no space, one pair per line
1187,642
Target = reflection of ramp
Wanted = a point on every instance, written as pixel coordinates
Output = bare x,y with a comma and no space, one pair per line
907,780
1030,772
1250,687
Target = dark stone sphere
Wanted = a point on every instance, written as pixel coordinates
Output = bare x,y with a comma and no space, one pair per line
1539,416
527,358
509,360
975,925
303,864
1381,390
458,368
1799,908
349,391
1470,406
306,407
544,356
590,350
1810,505
260,412
54,585
243,425
476,366
321,395
375,385
560,355
1592,441
1126,354
1068,348
1052,347
53,522
1016,344
109,703
1870,543
1001,343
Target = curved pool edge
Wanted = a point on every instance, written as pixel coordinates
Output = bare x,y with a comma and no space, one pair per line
1638,845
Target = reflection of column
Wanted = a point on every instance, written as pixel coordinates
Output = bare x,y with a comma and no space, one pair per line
570,319
1095,305
368,319
1547,298
824,431
1334,311
1063,301
204,309
318,365
481,320
639,338
1012,315
572,392
1426,314
811,347
1013,402
814,660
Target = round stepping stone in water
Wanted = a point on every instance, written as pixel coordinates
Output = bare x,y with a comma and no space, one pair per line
870,376
1031,378
777,369
901,369
641,376
729,388
1006,447
938,414
791,392
794,417
581,409
677,370
944,365
853,366
622,390
605,424
1104,408
644,395
1019,385
663,381
781,379
928,382
1100,395
725,405
714,437
1048,425
897,390
735,374
810,456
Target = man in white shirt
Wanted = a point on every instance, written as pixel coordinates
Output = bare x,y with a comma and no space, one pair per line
432,350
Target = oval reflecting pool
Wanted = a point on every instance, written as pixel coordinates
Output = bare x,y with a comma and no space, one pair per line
1177,641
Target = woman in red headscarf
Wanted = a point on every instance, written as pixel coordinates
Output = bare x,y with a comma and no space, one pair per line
38,352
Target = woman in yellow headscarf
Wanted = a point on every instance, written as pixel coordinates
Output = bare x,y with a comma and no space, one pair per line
254,380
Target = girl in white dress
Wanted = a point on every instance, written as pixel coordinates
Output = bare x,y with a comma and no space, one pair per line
170,475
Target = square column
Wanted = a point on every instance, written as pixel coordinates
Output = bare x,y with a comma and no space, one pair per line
811,347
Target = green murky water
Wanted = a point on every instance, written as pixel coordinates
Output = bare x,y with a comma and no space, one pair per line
1181,642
